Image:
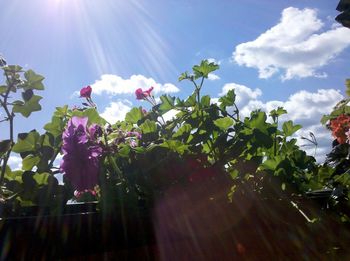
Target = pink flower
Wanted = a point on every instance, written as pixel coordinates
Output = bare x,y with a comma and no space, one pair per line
140,94
86,92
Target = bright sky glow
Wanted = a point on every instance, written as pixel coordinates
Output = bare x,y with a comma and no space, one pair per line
274,53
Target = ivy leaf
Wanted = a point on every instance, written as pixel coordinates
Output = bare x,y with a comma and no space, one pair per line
204,69
167,103
28,143
28,107
133,116
228,99
224,123
34,81
148,127
92,115
29,162
289,129
276,113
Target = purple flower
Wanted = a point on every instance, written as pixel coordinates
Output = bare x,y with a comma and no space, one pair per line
81,160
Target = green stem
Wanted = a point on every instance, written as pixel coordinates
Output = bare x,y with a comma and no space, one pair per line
10,117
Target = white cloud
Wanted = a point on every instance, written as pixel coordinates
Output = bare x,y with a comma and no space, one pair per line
213,60
243,93
303,107
113,85
15,162
213,77
116,111
295,47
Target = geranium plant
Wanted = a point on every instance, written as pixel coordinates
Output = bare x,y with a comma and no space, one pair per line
132,163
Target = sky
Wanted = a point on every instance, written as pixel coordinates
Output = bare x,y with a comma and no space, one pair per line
273,53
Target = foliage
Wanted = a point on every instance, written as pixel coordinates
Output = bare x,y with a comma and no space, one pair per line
145,155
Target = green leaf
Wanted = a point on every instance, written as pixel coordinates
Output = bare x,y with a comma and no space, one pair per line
204,69
347,84
3,89
28,107
205,101
29,162
29,143
14,175
55,127
184,129
289,129
12,69
5,146
228,99
224,123
191,100
34,81
175,145
148,127
167,103
92,115
283,186
271,164
134,115
41,178
325,119
183,76
124,151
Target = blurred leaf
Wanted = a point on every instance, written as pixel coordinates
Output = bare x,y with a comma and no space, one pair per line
184,129
148,127
5,146
175,145
134,115
3,89
205,101
29,162
167,103
224,123
228,99
41,178
347,84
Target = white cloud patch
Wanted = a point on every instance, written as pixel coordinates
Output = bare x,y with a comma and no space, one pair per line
213,77
294,47
305,108
113,85
116,111
15,162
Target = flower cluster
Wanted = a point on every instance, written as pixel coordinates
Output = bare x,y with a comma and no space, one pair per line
340,127
82,153
86,93
145,95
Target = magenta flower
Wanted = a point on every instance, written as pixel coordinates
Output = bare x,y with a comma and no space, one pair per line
141,95
86,92
81,159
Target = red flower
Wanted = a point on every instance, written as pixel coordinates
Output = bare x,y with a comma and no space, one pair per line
339,127
86,92
140,94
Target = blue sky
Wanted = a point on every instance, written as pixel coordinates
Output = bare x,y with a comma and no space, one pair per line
274,53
